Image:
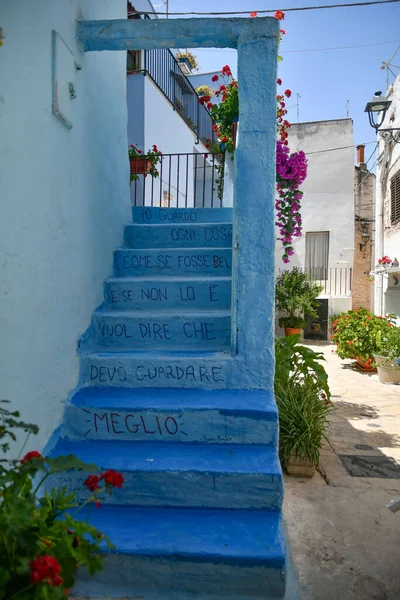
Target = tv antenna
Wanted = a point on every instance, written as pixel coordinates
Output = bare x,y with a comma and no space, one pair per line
388,64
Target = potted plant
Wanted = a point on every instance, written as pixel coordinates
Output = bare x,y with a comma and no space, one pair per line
188,61
356,336
385,261
303,419
296,295
143,163
315,326
387,357
43,540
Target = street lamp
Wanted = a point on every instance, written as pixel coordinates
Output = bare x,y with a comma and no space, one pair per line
377,109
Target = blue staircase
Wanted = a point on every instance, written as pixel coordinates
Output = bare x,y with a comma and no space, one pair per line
199,515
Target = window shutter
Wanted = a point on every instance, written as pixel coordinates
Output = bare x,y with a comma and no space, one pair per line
395,199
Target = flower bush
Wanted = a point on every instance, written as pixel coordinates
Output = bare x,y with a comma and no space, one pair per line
356,334
42,539
153,155
291,168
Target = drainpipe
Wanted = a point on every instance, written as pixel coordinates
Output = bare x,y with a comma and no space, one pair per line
380,248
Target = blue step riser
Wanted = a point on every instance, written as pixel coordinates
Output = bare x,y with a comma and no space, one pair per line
194,489
204,235
146,425
182,216
164,333
176,262
143,372
157,578
181,294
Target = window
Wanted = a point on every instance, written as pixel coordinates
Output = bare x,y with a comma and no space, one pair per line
395,199
317,254
134,60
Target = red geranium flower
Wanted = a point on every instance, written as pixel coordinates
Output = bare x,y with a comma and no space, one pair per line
155,149
214,78
92,483
30,455
113,478
279,81
279,15
288,93
282,32
253,14
224,139
210,105
45,569
226,70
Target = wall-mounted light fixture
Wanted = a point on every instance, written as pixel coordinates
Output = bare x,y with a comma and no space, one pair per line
377,109
365,239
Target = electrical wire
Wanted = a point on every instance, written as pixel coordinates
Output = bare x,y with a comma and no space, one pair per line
274,10
342,148
307,49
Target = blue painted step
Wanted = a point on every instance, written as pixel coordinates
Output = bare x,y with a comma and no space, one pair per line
167,292
172,415
154,369
191,475
162,330
198,235
180,554
173,261
183,216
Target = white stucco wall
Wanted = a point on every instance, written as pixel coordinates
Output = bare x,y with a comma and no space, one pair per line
387,294
328,201
64,198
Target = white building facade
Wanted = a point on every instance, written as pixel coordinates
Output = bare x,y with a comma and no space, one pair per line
387,210
326,248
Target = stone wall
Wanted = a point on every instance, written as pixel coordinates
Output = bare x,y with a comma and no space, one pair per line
364,224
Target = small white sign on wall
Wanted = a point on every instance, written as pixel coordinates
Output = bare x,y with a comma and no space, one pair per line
63,80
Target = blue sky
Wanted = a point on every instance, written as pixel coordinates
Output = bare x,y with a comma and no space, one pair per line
325,80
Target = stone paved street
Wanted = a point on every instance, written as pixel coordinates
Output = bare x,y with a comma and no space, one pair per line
344,540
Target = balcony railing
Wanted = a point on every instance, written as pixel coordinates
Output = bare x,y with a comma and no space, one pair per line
185,181
161,66
336,281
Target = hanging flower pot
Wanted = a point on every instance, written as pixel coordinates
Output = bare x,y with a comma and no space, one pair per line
315,326
139,166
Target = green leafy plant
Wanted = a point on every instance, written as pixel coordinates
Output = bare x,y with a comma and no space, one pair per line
43,538
297,362
296,295
303,419
153,156
388,342
293,322
357,334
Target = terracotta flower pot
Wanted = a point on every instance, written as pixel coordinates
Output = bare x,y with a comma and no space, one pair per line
300,468
292,331
365,365
139,166
388,370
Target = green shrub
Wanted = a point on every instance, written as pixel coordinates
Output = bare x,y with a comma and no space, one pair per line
303,419
296,295
295,361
